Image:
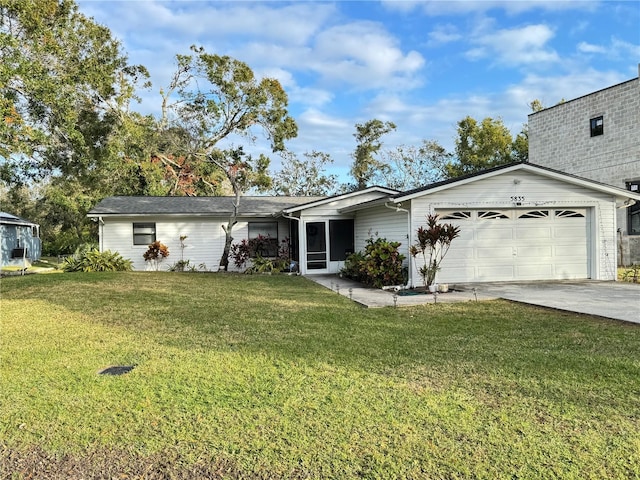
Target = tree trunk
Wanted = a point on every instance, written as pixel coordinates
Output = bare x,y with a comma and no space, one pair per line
224,261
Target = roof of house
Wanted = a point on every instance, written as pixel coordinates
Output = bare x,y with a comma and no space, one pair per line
9,219
269,206
324,200
397,199
217,206
539,169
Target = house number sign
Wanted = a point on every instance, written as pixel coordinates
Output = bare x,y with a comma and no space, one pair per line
517,199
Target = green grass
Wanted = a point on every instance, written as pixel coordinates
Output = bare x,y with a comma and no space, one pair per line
274,377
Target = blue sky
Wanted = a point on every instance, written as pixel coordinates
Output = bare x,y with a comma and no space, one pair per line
423,65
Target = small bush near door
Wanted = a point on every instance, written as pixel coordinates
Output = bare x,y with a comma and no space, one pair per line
379,265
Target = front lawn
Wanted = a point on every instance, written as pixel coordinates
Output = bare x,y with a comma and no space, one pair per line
275,377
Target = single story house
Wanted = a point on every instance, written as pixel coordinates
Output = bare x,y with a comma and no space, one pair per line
19,241
517,222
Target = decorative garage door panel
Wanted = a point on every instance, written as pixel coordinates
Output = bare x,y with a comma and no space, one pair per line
517,244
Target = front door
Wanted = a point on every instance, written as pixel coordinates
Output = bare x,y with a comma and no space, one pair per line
316,245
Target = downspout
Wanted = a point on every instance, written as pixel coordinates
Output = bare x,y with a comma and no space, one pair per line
289,217
101,233
397,208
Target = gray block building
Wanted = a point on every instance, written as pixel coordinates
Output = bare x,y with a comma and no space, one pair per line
597,136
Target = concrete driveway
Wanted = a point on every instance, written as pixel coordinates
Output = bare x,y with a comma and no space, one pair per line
617,300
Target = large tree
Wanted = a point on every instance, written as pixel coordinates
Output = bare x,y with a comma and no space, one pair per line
65,126
58,71
365,165
413,167
479,146
215,98
304,177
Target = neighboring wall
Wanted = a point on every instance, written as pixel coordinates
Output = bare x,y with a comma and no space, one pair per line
559,137
203,246
18,236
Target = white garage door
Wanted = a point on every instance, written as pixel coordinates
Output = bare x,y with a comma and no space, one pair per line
517,244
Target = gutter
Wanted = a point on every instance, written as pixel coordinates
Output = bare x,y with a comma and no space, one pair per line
627,204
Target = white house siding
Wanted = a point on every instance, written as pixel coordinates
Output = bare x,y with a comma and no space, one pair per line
205,238
384,223
533,192
203,246
326,212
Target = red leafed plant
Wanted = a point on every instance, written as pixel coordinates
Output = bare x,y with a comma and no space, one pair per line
156,252
432,245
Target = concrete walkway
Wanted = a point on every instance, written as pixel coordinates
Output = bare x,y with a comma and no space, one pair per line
616,300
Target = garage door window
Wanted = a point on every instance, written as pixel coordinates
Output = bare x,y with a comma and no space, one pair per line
490,215
568,214
535,214
456,216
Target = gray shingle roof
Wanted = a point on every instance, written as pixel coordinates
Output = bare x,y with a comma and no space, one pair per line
9,219
249,206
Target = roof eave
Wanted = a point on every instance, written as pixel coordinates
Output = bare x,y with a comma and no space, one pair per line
316,203
572,179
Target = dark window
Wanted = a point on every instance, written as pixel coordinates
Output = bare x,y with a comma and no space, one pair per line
568,214
490,215
144,233
456,216
263,236
634,210
597,126
535,214
34,232
341,242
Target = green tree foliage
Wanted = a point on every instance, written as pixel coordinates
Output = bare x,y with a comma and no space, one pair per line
304,177
365,165
479,146
65,127
243,173
60,73
219,98
413,167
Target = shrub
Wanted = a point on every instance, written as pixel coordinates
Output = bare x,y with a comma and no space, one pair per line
379,265
432,245
255,249
632,274
182,266
352,266
156,252
92,260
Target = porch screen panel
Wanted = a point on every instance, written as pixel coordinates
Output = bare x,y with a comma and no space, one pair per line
341,239
316,246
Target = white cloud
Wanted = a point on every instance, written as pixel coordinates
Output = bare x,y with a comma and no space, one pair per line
443,34
364,55
616,49
463,7
585,47
516,46
552,89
